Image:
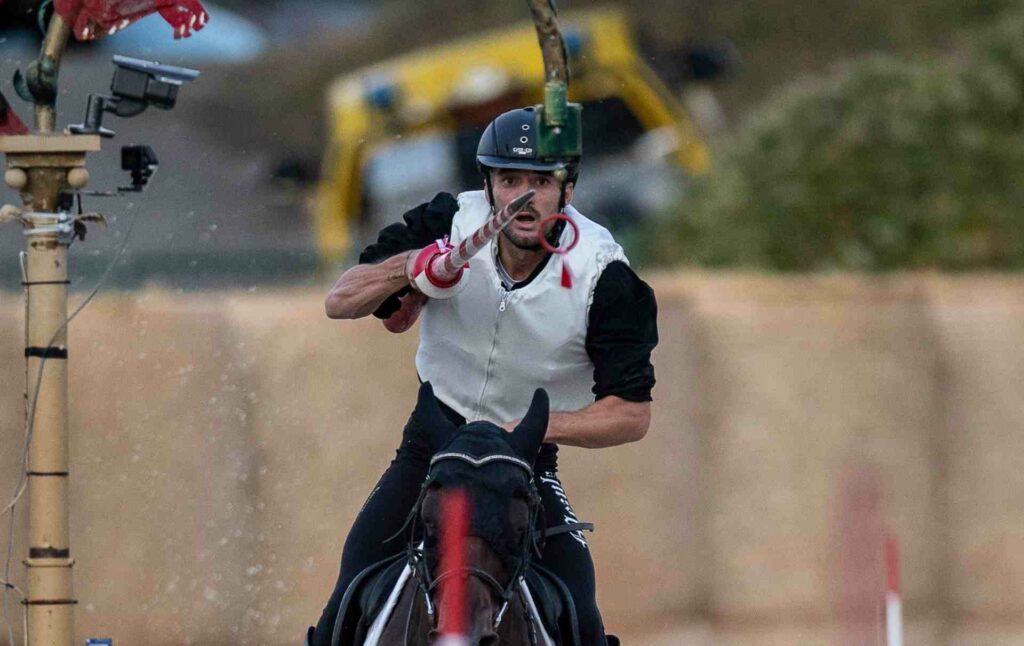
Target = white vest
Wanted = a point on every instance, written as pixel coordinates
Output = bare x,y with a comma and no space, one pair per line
486,350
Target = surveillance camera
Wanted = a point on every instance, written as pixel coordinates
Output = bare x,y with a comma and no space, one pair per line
165,73
141,162
137,85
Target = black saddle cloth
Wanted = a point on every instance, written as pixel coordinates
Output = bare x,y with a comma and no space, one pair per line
365,597
555,605
369,592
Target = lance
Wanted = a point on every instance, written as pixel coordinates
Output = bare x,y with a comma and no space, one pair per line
436,270
447,267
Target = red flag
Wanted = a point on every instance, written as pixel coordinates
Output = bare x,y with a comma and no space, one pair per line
10,124
92,19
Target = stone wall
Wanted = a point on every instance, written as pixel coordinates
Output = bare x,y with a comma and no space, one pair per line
223,442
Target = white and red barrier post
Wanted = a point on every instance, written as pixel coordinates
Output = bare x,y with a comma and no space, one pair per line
893,605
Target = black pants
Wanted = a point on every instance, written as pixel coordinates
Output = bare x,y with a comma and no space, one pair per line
384,512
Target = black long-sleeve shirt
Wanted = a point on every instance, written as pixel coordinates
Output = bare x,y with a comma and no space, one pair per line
622,327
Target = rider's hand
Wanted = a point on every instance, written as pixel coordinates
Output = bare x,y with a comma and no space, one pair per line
411,268
420,268
418,261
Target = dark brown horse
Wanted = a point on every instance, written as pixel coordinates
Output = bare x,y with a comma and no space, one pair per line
494,469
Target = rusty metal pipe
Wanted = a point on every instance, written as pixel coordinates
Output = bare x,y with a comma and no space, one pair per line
47,67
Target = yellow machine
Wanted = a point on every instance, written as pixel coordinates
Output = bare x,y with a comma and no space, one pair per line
452,91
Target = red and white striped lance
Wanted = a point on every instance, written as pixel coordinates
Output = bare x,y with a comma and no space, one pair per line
446,267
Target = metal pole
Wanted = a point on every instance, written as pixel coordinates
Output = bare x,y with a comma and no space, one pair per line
41,167
50,596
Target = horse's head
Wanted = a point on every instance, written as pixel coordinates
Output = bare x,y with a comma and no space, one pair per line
494,469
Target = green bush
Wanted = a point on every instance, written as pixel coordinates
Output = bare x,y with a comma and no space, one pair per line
888,163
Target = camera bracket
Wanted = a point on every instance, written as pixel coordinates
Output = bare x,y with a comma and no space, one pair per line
137,84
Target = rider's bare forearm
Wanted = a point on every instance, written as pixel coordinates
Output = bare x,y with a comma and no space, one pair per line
609,421
361,289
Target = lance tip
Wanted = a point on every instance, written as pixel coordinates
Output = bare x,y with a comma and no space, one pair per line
521,201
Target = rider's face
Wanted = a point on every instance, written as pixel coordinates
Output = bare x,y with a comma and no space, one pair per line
509,184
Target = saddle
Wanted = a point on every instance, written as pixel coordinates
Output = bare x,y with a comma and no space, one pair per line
367,596
554,604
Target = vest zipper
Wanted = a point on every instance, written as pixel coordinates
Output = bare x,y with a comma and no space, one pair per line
504,300
505,297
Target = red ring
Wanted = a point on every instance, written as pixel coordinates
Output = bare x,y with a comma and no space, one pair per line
544,241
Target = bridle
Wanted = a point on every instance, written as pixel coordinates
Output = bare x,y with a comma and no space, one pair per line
428,584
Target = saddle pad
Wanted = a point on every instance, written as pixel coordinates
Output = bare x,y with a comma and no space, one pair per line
378,589
375,594
354,602
382,617
554,603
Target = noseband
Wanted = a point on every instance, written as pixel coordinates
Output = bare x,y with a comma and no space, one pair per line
505,593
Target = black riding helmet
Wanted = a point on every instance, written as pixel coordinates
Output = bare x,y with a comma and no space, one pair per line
510,141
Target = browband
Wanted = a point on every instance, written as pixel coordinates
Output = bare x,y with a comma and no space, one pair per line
479,462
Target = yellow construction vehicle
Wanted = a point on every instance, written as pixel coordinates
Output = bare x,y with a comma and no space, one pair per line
402,129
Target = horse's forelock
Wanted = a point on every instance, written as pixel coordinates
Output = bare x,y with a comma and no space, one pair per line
480,439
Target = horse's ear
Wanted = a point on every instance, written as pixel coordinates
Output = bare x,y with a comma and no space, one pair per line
529,434
434,425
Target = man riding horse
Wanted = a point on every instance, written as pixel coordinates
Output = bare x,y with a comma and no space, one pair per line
544,305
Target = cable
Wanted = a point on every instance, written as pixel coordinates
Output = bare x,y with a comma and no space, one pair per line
24,614
23,479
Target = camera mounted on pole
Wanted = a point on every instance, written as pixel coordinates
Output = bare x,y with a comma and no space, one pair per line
48,171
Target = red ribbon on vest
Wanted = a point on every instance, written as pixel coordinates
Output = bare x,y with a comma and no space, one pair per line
92,19
566,275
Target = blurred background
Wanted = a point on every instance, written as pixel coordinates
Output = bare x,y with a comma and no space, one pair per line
825,196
